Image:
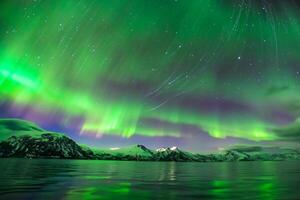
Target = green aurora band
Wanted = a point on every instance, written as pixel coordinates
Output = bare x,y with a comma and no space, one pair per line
114,63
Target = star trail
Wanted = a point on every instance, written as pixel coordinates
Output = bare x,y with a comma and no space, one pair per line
201,74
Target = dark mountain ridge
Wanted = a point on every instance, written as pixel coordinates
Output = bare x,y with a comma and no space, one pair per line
24,139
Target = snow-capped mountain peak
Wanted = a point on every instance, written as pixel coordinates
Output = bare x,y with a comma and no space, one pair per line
161,149
114,148
174,148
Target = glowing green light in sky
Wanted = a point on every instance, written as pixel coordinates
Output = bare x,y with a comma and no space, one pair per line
141,68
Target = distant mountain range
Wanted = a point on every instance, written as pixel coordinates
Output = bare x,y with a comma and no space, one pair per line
24,139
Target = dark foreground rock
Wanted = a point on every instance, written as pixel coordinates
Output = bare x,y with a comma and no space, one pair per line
45,145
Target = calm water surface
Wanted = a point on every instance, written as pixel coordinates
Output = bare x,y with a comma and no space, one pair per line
80,179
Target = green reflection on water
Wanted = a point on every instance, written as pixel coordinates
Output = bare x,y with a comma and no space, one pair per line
68,179
268,185
96,177
236,178
220,188
268,190
100,192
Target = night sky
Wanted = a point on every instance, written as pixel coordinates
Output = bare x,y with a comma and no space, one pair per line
198,74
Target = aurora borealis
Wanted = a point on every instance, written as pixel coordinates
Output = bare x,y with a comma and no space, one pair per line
200,74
